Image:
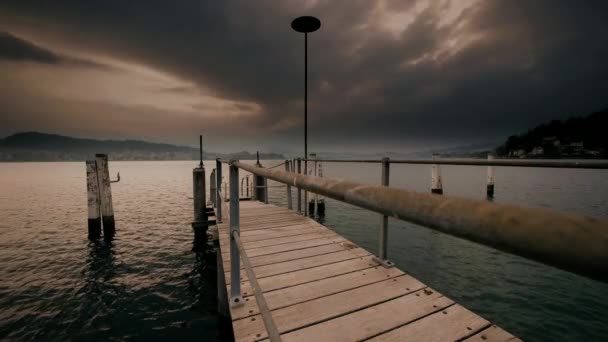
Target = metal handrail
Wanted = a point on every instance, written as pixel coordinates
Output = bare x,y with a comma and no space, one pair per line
562,164
271,328
568,241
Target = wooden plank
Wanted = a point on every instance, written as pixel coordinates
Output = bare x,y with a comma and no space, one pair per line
291,246
451,324
307,313
302,264
274,233
317,289
309,275
374,320
294,255
283,240
492,334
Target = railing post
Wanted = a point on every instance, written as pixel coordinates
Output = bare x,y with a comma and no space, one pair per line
212,188
436,186
235,258
288,169
490,181
383,237
247,181
218,185
299,190
265,190
199,196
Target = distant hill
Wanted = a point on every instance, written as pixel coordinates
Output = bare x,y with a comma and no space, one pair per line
36,146
579,137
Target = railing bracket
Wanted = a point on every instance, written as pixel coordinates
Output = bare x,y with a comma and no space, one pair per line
383,263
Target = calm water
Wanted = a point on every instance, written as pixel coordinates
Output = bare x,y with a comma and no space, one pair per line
153,283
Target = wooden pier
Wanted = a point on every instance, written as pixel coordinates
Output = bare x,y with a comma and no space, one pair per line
319,286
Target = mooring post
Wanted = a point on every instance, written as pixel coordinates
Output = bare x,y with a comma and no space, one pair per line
105,195
436,186
383,238
93,200
299,190
218,185
198,194
491,176
288,169
260,185
235,258
212,188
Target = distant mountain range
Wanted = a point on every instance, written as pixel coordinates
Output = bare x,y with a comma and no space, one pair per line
36,146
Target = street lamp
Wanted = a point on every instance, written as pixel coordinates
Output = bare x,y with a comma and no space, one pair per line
305,25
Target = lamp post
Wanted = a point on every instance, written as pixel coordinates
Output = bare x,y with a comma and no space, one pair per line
305,25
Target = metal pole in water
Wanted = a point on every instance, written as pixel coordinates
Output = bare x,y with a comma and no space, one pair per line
436,186
93,200
235,258
288,169
105,194
383,238
218,185
490,180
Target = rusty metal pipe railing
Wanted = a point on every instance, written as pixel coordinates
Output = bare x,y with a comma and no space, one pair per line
561,164
568,241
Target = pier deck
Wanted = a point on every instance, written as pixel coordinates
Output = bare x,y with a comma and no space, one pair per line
321,287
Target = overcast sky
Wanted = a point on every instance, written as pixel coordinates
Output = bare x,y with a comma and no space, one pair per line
383,75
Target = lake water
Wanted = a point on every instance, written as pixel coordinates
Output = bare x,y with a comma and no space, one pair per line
151,282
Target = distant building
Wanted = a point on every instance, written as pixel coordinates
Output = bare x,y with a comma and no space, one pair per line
537,151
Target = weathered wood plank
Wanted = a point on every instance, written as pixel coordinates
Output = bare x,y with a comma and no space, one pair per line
492,334
374,320
317,310
451,324
309,275
291,246
302,264
283,240
317,289
293,255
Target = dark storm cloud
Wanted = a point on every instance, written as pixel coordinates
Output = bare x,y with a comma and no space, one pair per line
13,48
513,64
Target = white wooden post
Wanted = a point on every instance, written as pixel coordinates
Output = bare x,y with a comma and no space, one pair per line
105,194
436,186
93,200
491,178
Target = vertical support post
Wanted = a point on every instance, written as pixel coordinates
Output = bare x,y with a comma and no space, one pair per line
198,194
235,258
265,190
383,238
93,200
212,189
299,190
222,295
242,187
105,194
436,186
248,186
288,169
491,178
218,185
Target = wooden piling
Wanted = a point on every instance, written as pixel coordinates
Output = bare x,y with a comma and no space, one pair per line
105,195
212,189
436,185
491,178
93,200
198,194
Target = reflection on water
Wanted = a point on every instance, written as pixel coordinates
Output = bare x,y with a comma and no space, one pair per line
156,280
